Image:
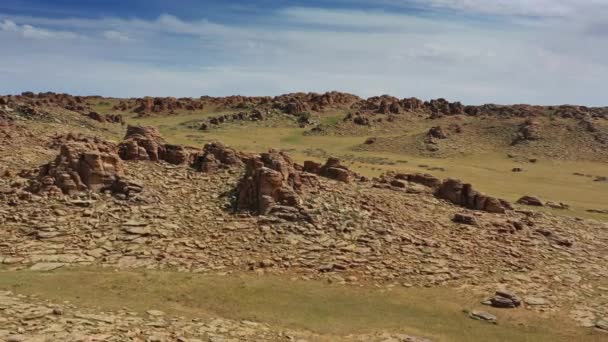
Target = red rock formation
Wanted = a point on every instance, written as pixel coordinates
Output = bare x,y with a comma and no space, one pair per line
270,180
141,143
83,166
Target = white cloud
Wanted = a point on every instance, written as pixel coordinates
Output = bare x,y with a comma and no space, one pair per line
310,49
9,26
541,8
29,31
116,36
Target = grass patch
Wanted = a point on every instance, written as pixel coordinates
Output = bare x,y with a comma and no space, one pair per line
326,309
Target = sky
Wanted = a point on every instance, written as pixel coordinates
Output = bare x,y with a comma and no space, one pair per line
474,51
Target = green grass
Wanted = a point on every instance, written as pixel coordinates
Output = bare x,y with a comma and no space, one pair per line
331,310
331,120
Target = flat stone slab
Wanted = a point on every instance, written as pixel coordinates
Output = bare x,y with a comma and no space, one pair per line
482,316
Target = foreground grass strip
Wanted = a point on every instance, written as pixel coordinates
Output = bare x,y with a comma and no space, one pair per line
327,309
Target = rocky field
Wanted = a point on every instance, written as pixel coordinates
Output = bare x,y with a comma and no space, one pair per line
83,186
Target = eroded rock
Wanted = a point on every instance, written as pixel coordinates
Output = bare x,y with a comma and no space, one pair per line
83,167
464,195
270,180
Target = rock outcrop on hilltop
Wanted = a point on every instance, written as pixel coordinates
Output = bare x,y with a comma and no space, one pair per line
83,166
296,103
146,143
150,105
386,104
271,179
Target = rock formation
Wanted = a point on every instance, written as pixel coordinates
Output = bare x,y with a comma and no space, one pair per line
254,115
169,105
333,169
270,180
530,130
530,200
463,195
217,156
83,167
436,132
146,143
111,118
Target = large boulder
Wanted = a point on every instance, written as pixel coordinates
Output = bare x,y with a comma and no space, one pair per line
530,200
83,167
464,195
333,169
271,179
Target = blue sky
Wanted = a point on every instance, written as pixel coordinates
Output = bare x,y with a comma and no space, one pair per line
475,51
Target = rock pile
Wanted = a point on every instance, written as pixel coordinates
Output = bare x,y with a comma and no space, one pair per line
505,300
530,130
216,156
411,183
110,118
271,179
83,167
301,102
436,132
358,118
332,169
169,105
441,107
464,195
146,143
390,105
254,115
